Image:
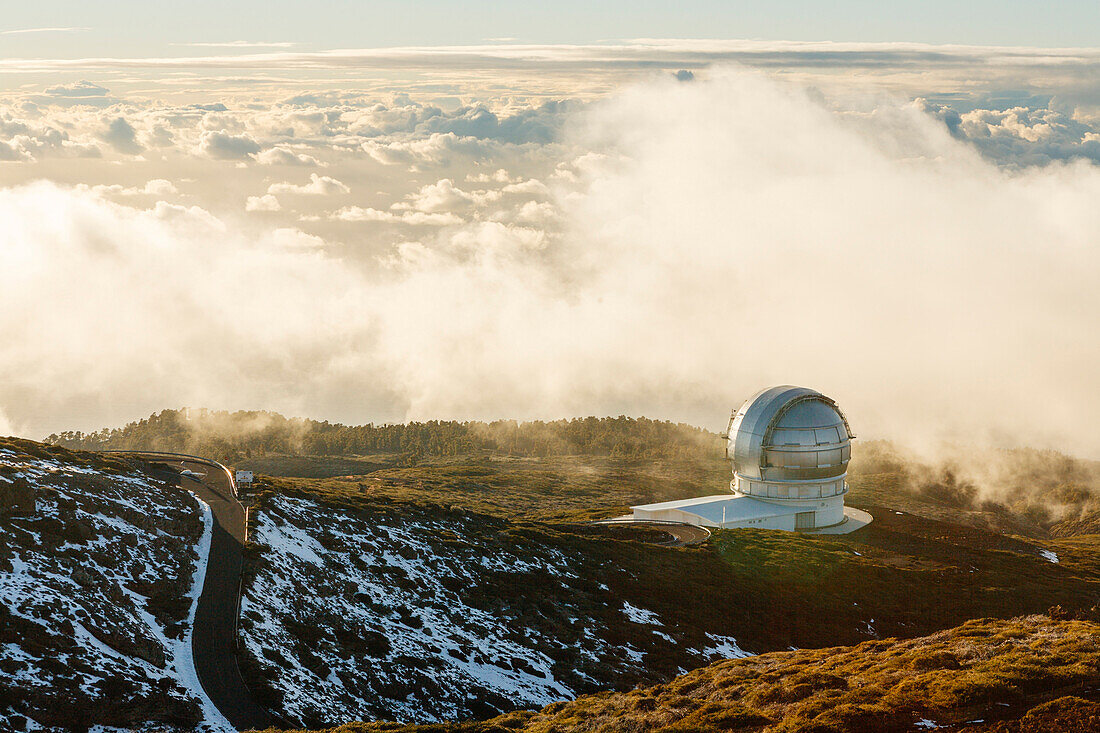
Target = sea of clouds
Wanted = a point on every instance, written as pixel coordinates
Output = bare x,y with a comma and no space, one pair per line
664,250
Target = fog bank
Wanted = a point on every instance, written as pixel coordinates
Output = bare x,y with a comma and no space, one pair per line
717,237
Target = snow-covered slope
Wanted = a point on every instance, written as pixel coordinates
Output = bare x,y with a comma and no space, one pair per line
423,613
97,565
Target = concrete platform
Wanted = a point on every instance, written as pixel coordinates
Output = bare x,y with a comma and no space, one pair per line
853,519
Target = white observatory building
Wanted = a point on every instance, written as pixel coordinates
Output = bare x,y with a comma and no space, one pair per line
790,448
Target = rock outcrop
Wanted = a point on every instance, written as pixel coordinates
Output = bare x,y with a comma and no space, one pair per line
17,499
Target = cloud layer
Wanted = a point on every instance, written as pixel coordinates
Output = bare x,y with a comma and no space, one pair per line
682,244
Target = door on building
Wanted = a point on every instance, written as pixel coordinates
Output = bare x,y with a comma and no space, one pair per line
804,520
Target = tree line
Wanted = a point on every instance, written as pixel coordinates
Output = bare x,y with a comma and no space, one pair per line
249,434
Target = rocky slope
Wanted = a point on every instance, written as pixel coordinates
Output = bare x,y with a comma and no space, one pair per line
423,613
97,571
1024,675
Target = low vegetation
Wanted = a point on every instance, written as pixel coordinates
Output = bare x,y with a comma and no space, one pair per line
1020,491
567,488
1024,674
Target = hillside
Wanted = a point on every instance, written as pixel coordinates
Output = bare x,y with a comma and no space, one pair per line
97,568
466,583
420,612
472,593
1022,675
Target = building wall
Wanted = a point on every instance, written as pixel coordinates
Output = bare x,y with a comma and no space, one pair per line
784,522
828,511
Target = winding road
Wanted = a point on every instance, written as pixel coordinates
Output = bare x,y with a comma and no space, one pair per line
684,535
214,638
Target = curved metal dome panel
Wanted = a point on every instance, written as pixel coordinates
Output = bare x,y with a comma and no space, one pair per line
789,433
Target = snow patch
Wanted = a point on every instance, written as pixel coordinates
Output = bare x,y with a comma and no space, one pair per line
640,615
414,593
725,647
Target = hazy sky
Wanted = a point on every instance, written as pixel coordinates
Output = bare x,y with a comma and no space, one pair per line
139,27
625,209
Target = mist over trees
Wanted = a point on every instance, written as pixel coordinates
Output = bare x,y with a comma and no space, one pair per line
231,436
1039,490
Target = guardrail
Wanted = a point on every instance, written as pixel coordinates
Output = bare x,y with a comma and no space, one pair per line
632,520
185,456
625,521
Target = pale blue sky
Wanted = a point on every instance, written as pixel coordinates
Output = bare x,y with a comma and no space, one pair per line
141,27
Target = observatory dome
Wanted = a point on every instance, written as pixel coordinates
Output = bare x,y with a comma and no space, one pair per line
789,443
790,448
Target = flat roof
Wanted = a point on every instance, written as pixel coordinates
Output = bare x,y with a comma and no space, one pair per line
736,507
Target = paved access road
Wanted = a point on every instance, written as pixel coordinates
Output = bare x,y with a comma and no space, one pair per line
214,639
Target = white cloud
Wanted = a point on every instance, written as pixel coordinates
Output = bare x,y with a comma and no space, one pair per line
193,218
417,218
156,187
445,196
290,238
159,187
633,54
280,155
189,288
82,88
498,176
1021,135
267,202
531,187
28,141
238,44
317,186
121,136
440,196
225,146
82,93
14,151
539,213
53,29
434,150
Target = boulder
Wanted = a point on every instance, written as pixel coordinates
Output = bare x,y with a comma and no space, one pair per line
78,530
83,578
17,498
150,651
